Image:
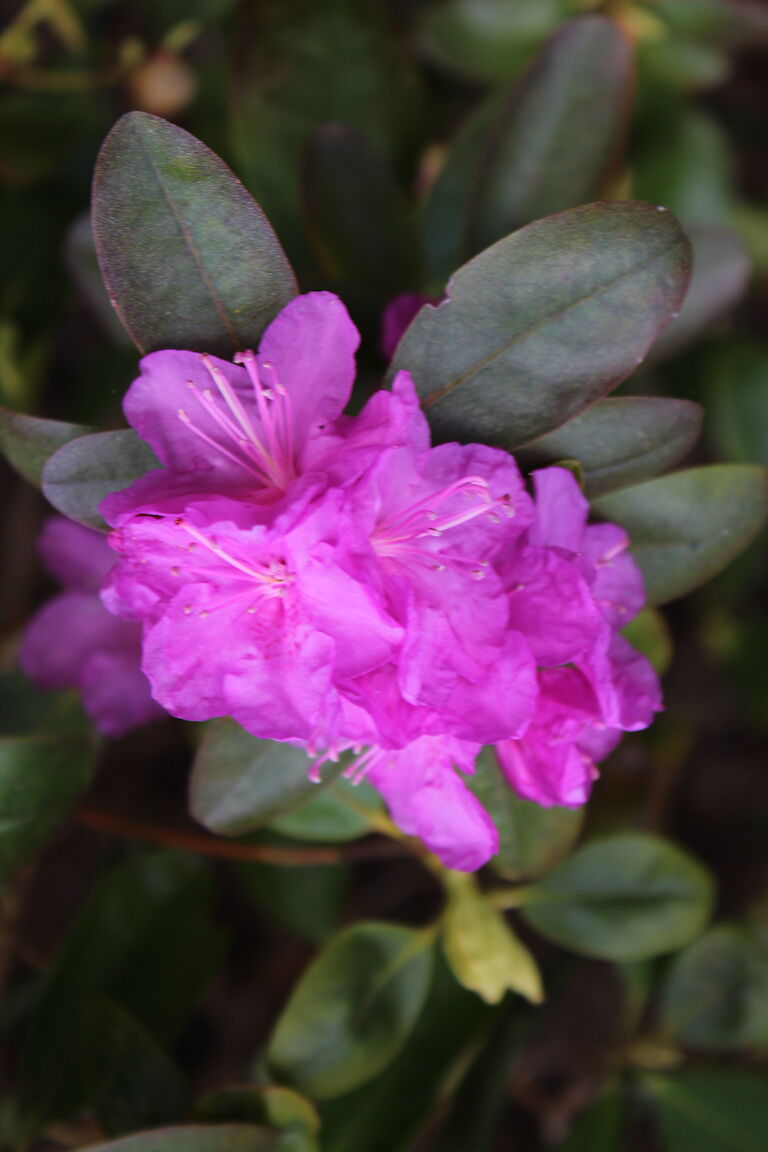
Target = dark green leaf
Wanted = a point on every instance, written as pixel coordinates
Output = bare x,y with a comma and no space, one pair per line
648,632
306,899
197,1138
558,134
27,442
686,527
532,839
546,321
240,783
280,1108
621,441
40,778
387,1112
359,221
687,168
188,257
488,39
625,897
721,270
711,1111
298,64
598,1128
80,474
716,993
146,940
737,401
353,1009
130,1081
83,266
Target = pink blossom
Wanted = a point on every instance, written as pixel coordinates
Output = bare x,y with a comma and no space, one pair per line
335,581
73,642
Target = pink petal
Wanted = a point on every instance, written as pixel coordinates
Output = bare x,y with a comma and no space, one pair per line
77,556
561,510
550,604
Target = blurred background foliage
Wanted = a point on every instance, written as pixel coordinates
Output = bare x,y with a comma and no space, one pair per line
150,985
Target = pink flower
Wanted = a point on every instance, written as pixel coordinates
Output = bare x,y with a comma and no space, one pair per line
396,317
73,642
337,582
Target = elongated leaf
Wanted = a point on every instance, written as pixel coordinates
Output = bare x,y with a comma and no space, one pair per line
359,221
688,526
716,994
625,897
712,1110
532,839
721,268
80,474
197,1138
281,1108
240,783
485,954
353,1009
621,441
40,778
188,257
737,401
335,814
27,442
558,134
546,321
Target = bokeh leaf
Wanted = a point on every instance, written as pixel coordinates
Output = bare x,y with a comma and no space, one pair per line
711,1110
625,897
716,992
27,442
737,401
483,951
188,257
557,135
352,1010
621,441
292,1115
339,812
546,321
78,476
488,39
197,1138
532,839
686,527
40,779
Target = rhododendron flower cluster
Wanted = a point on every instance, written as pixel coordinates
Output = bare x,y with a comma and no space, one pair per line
338,583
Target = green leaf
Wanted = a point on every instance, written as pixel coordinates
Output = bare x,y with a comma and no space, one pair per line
359,221
40,779
240,783
197,1138
737,400
281,1108
711,1111
716,993
648,632
687,527
686,167
558,134
146,940
353,1009
532,839
80,474
621,441
625,897
721,268
485,954
340,812
387,1113
599,1127
546,321
298,64
306,899
27,442
188,257
130,1080
488,39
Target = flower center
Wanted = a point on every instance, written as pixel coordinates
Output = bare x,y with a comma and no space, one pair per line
414,534
264,446
271,579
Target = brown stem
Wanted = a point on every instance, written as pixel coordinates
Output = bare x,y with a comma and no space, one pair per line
203,844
